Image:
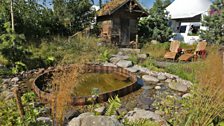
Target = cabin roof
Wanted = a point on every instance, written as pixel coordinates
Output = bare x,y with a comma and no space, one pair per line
114,5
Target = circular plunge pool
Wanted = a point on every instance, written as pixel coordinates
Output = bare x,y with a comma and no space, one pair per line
109,81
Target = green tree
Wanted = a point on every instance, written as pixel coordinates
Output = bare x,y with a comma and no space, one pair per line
213,22
74,14
155,26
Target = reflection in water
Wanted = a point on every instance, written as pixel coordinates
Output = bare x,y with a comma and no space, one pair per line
102,81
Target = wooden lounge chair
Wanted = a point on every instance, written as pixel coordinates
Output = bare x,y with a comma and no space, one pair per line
200,51
174,49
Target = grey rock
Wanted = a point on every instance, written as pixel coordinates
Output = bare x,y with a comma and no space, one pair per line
8,95
122,111
142,56
5,86
149,78
71,114
147,87
158,112
161,77
178,86
138,114
123,57
117,58
188,95
45,110
146,100
109,64
45,120
124,63
15,79
132,69
159,84
5,81
100,110
168,80
1,66
157,87
120,53
144,70
88,119
114,60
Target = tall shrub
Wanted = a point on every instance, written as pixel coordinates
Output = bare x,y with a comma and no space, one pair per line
214,23
156,25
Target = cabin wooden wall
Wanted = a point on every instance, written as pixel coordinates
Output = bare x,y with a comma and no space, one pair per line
106,29
120,27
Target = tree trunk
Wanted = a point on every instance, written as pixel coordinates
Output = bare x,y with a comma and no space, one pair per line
12,16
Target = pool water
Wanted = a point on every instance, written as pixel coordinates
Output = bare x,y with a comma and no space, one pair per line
100,83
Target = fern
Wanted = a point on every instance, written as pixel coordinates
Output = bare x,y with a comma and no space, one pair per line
114,104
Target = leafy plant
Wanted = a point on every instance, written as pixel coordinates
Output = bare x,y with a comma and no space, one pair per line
114,104
105,56
9,115
150,64
133,58
50,61
19,66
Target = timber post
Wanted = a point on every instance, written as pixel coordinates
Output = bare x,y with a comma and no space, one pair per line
137,41
19,102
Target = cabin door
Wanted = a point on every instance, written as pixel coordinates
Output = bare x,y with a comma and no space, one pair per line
125,32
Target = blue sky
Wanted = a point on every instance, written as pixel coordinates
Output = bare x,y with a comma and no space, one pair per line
145,3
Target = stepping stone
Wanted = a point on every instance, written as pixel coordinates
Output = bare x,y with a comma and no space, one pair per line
124,63
109,65
148,78
132,69
178,87
162,77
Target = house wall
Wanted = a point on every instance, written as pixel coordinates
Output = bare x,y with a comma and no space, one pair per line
186,22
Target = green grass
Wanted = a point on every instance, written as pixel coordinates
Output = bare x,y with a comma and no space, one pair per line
73,51
185,70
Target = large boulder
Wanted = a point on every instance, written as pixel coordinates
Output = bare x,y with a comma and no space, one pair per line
150,79
138,114
124,63
88,119
178,86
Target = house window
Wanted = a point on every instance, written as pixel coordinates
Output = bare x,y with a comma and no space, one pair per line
194,30
183,29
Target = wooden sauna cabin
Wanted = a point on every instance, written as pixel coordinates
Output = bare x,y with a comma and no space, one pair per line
118,20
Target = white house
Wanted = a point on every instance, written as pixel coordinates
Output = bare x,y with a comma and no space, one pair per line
186,16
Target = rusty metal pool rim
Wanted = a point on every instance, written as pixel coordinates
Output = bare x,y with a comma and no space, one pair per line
47,97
